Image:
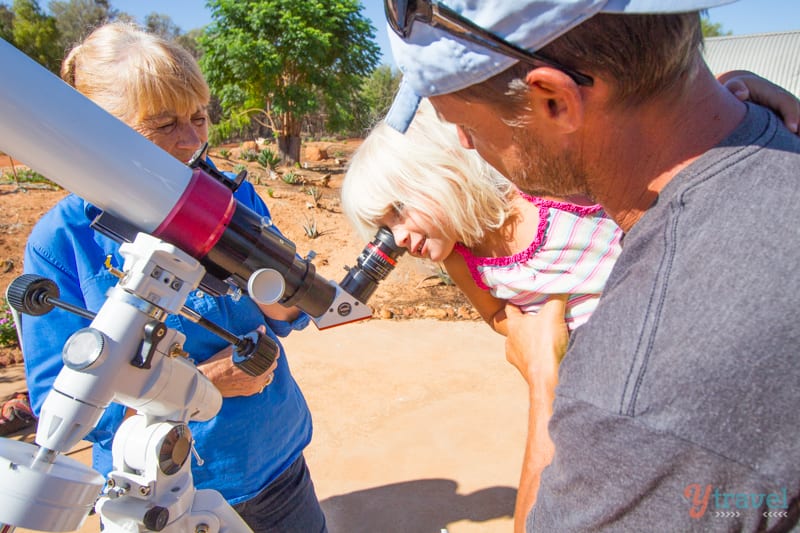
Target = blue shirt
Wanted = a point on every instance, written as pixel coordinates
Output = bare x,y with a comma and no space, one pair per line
252,440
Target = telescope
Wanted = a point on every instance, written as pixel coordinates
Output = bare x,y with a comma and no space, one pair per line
64,136
182,228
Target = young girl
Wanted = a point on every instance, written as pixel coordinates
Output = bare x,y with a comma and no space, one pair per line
498,244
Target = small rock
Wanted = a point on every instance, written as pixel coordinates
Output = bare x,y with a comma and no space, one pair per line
464,312
315,153
250,145
439,314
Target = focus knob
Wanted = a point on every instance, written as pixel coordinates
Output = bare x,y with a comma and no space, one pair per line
156,518
30,294
255,353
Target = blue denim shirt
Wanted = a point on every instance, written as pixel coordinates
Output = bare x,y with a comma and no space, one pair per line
252,440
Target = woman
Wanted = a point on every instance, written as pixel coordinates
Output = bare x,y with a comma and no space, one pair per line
252,451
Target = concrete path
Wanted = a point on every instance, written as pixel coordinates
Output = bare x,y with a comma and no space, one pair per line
419,425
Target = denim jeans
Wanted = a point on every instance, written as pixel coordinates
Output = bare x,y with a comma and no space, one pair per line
288,504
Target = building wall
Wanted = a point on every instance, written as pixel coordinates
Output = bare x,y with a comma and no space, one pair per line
775,56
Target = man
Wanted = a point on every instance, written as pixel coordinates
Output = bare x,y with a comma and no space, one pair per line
676,405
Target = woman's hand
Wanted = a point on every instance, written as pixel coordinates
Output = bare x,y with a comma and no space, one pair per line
748,86
230,379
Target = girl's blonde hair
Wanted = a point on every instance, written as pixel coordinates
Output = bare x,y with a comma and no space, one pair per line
428,170
133,74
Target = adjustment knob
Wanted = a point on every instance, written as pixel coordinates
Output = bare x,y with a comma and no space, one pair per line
156,518
255,353
30,294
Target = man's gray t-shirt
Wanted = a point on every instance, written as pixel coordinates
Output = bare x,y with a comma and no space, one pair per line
678,407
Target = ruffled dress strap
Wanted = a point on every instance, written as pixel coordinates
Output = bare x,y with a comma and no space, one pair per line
544,205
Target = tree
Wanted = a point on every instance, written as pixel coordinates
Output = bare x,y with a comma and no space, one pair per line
75,19
189,41
377,94
711,29
35,34
276,61
6,24
161,25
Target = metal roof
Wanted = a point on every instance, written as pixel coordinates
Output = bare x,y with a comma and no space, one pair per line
775,56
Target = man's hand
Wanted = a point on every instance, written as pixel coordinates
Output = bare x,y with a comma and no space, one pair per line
229,379
536,342
535,345
748,86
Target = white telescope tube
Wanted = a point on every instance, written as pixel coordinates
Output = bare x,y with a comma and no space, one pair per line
63,135
44,122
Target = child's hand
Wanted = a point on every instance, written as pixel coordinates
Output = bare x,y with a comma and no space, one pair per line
748,86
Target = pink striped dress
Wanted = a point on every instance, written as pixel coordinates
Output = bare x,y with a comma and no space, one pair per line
573,253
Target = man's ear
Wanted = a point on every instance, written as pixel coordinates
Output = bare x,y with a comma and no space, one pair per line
555,97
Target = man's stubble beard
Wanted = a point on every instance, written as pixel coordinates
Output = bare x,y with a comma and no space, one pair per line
542,173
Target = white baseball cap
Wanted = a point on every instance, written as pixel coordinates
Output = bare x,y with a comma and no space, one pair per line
434,61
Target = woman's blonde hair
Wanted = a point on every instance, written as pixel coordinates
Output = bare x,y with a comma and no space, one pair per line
133,74
428,170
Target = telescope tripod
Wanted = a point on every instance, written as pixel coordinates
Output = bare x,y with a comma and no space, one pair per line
127,355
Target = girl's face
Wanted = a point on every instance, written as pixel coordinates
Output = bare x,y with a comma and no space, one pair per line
179,135
418,234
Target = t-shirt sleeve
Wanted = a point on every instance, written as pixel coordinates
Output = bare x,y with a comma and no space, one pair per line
615,473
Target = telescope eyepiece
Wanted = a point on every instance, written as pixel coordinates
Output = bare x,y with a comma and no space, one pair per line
374,263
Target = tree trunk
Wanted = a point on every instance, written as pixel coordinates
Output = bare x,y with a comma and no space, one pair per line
289,139
289,148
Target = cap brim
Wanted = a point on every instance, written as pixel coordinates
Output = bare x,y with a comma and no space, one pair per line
660,6
403,109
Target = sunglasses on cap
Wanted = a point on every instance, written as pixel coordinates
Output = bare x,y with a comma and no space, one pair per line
401,15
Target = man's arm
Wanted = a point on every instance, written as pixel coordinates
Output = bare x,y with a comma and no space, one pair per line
535,346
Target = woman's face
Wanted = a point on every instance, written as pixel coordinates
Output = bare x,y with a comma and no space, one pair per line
179,135
418,234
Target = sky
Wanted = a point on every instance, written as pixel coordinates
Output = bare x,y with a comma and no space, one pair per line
741,17
190,14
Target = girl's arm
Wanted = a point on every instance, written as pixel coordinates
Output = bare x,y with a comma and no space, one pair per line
490,308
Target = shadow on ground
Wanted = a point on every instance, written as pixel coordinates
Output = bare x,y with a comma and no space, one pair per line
420,506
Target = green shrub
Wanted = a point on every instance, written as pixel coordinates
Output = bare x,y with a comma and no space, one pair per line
315,193
310,228
442,277
268,159
26,175
248,155
8,331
